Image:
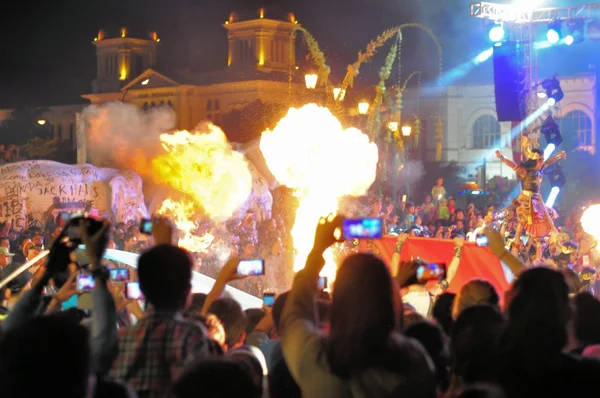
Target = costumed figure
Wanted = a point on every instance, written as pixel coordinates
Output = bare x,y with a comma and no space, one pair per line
532,214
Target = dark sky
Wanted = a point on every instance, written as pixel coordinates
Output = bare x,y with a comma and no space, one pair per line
48,57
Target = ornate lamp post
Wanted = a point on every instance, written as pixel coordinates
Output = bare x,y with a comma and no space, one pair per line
311,80
339,94
363,108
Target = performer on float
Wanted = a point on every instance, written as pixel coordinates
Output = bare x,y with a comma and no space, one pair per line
532,215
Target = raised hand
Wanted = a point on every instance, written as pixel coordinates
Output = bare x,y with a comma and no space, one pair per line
162,230
95,245
329,231
229,271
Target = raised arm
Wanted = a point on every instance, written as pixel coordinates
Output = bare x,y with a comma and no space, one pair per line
298,332
509,163
555,158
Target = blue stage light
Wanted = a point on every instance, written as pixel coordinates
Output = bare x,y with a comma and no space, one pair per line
496,33
569,40
554,31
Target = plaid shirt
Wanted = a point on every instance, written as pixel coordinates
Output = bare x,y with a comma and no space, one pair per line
153,352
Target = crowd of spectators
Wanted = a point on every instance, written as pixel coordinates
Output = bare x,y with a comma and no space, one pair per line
364,338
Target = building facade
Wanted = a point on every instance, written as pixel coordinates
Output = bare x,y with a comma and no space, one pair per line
472,132
261,61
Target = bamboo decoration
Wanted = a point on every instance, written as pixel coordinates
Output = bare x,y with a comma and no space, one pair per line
315,54
374,45
370,51
374,121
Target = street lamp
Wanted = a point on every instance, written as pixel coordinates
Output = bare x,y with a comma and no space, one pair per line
339,94
363,108
393,126
41,122
311,80
406,130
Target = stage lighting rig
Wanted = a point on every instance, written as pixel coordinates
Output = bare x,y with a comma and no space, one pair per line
553,90
556,177
496,33
575,31
551,132
554,31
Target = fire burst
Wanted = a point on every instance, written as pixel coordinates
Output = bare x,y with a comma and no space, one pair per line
589,221
203,166
311,153
182,213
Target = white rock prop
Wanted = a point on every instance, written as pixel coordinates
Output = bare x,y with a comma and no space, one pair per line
33,193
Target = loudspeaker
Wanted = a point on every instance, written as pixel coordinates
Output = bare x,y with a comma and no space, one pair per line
508,81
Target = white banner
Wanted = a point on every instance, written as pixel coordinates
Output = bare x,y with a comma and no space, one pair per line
33,193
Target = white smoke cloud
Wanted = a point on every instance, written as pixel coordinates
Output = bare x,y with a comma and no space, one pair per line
122,135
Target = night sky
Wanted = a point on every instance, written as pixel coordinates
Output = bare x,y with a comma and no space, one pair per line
48,57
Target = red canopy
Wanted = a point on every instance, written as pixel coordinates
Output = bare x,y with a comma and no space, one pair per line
475,262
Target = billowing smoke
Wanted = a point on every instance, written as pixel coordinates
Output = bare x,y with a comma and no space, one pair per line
124,136
412,173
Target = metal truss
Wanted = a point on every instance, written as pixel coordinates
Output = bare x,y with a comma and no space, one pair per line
514,14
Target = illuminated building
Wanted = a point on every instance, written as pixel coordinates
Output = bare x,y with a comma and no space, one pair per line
260,53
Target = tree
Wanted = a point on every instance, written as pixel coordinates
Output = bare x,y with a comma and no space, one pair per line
23,125
49,149
247,123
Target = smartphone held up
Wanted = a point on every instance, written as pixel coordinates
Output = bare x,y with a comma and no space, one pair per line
146,226
133,291
251,267
362,228
428,272
268,299
85,283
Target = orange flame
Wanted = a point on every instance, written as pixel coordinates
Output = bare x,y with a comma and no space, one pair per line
310,152
589,221
182,214
203,166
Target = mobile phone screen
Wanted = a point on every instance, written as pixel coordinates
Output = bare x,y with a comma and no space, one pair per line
146,227
268,299
481,241
119,274
429,272
251,267
85,282
362,228
322,283
133,291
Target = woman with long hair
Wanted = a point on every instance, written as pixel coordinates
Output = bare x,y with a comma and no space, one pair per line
363,355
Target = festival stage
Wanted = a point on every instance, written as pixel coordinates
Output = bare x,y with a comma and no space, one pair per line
475,262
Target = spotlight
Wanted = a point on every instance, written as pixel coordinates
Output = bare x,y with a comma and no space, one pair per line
496,33
548,151
569,39
552,197
556,176
553,90
551,132
554,31
575,31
